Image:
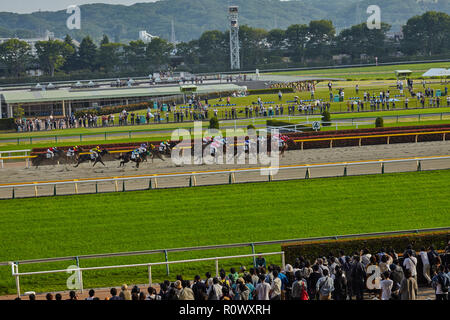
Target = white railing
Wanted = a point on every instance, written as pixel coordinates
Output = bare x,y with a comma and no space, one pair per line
13,157
16,274
232,174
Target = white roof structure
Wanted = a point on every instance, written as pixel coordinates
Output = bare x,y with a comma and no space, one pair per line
437,72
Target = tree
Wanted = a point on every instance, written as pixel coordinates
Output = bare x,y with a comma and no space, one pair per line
359,40
109,56
71,59
253,44
297,37
52,54
214,123
87,54
214,47
321,34
427,34
135,56
158,52
16,55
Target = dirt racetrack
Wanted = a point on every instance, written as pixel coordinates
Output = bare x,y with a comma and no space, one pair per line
17,174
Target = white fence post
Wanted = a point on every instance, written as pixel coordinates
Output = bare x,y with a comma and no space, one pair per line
150,275
283,260
80,279
217,267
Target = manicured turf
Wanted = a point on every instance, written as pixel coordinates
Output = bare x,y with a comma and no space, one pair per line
363,73
156,219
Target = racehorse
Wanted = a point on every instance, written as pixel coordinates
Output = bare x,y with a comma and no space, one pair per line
57,154
93,157
127,157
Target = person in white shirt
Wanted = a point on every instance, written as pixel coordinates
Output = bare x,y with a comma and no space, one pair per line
263,289
275,289
386,286
426,265
410,263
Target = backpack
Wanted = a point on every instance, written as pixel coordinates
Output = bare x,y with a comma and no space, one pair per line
304,294
444,282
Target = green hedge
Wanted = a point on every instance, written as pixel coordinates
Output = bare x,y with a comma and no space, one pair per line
7,124
270,91
314,249
278,123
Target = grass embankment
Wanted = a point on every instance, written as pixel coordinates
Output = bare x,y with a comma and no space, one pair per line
375,73
88,224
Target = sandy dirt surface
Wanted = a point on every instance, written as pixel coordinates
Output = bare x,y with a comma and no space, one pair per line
18,174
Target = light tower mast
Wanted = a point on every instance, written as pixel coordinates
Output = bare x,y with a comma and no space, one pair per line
233,16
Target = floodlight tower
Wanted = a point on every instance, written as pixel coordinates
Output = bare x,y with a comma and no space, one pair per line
233,16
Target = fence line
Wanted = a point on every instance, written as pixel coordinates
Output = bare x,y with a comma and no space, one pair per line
231,173
15,267
246,120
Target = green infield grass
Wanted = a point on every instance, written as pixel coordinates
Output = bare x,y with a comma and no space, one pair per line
170,218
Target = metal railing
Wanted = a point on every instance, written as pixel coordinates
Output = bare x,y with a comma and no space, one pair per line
16,274
153,178
15,265
9,152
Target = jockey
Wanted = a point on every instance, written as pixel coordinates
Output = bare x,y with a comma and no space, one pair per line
162,146
71,151
95,152
51,151
143,148
135,154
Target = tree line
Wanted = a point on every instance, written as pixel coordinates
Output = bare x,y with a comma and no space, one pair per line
298,45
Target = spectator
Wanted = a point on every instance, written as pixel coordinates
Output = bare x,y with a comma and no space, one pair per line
386,285
73,295
408,287
58,297
49,297
91,295
215,291
325,286
340,285
425,265
410,263
275,290
199,289
440,283
263,289
113,293
32,297
125,293
186,293
260,262
299,288
152,294
312,281
358,276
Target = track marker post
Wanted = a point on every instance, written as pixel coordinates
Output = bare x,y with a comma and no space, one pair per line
382,167
123,186
308,174
35,190
345,171
54,190
419,166
13,193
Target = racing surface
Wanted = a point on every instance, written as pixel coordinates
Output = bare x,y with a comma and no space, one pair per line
18,173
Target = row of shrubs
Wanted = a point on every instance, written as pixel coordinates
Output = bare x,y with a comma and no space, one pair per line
113,109
7,124
314,249
270,91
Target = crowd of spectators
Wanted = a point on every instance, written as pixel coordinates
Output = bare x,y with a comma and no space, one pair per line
382,275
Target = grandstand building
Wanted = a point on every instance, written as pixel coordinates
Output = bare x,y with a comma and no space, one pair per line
43,101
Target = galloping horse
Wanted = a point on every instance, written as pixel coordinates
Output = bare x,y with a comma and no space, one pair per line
93,157
127,157
46,156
